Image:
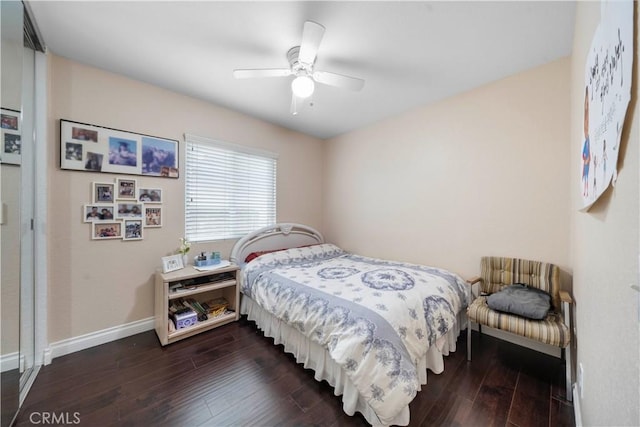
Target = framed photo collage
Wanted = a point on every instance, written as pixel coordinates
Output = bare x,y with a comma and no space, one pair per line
122,210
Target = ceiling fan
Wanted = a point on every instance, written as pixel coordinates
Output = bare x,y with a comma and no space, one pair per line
301,65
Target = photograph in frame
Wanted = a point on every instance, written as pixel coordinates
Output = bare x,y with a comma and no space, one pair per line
129,210
103,230
93,148
10,137
123,152
98,212
10,120
81,133
158,155
172,263
169,172
93,161
103,192
150,195
126,189
73,151
152,216
132,229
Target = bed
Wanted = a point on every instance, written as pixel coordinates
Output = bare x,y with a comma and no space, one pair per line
369,327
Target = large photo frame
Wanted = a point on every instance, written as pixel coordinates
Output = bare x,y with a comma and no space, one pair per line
92,148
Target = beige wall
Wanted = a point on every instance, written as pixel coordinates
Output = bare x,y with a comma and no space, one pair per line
482,173
95,285
605,245
491,171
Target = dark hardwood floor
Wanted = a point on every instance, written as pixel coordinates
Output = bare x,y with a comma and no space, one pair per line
234,376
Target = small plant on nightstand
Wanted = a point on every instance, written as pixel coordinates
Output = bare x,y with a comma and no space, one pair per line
185,247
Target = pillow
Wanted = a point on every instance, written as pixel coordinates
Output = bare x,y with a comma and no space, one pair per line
520,299
254,255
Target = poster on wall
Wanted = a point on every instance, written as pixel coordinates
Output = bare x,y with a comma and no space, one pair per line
607,91
94,148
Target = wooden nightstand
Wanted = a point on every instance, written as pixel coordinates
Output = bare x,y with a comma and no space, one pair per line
202,286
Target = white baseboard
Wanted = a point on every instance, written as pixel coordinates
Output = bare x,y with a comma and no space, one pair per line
71,345
46,356
577,413
9,361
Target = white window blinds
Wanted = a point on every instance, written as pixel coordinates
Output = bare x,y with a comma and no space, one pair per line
230,189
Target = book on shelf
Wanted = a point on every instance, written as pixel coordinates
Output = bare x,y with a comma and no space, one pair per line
197,308
217,306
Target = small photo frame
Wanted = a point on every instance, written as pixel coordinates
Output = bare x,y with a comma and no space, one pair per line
126,188
103,192
129,210
98,212
10,138
103,230
152,216
150,195
172,263
132,229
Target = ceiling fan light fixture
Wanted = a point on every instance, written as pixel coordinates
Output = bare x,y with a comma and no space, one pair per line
302,86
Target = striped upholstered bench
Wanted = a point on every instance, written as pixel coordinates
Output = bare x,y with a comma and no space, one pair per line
554,329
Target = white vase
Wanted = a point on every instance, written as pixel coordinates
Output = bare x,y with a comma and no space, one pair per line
185,260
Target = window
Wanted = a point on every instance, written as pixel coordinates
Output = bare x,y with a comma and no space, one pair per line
230,189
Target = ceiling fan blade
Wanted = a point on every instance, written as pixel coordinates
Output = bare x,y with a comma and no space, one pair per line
338,80
264,72
311,37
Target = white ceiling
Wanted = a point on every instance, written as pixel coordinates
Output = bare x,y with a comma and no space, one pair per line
409,53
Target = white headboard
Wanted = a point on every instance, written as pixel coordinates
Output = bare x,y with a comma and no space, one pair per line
277,236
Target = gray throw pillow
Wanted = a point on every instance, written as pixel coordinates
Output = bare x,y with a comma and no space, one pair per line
522,300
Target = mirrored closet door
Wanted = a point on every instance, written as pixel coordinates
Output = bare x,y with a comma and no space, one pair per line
11,14
17,189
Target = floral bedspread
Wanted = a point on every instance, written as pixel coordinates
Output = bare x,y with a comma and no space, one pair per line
376,318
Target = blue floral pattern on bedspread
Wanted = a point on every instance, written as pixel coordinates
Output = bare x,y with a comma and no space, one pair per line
376,318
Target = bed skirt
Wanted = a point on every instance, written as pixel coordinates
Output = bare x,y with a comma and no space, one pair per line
313,356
